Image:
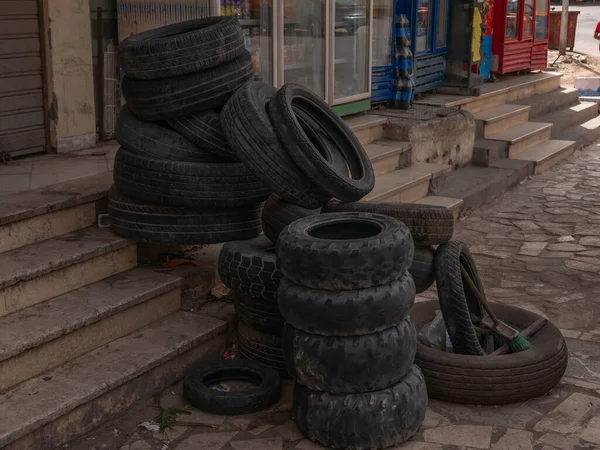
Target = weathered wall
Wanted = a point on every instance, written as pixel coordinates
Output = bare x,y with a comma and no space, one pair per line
72,74
444,140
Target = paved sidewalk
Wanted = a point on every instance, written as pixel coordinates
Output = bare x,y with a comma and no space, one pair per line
538,248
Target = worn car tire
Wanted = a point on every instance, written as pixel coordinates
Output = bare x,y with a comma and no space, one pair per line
181,48
258,313
156,140
154,224
370,420
251,134
250,268
493,380
428,224
278,214
308,156
459,306
264,348
362,363
188,184
344,251
197,387
346,313
422,267
187,94
204,130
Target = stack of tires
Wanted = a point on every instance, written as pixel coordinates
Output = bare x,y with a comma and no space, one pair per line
177,181
348,340
249,269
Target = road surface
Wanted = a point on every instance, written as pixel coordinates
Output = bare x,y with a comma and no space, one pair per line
589,16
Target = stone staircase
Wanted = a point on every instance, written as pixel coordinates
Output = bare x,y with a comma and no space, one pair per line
84,333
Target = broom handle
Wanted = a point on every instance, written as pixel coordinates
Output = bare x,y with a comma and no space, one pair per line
527,332
480,298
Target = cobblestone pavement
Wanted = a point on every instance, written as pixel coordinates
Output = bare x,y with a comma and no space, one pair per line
538,248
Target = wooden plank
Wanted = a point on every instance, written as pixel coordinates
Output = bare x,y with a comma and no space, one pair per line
19,46
18,8
22,120
24,83
12,27
19,102
20,65
18,142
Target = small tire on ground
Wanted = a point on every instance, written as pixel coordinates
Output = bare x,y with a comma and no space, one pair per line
154,224
459,306
346,313
477,380
340,364
308,156
251,134
258,313
188,184
428,224
264,348
204,130
187,94
250,267
344,251
181,48
422,268
197,387
377,419
278,214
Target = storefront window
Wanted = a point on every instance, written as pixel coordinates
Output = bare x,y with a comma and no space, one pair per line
512,19
442,24
351,48
304,44
528,19
256,19
541,20
383,12
423,25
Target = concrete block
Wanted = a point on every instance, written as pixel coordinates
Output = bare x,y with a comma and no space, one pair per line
587,83
487,151
550,101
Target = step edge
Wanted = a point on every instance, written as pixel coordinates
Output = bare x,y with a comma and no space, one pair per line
374,123
524,108
522,137
407,185
169,283
395,151
569,144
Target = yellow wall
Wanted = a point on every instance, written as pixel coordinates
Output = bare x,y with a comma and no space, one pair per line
72,74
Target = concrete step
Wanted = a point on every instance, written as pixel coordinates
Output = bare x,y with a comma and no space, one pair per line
523,137
569,116
47,212
47,411
406,185
545,155
44,270
486,152
51,333
454,204
500,118
550,101
387,155
584,134
367,127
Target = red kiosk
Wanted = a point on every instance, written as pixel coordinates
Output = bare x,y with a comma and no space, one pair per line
520,40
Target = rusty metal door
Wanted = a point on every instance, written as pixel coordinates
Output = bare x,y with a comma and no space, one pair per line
22,125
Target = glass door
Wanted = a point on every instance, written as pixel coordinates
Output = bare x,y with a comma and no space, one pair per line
513,13
528,10
423,26
441,25
541,20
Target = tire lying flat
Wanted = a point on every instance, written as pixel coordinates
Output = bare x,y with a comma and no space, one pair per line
278,214
481,380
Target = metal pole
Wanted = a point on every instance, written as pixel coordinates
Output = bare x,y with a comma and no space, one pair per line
564,24
100,71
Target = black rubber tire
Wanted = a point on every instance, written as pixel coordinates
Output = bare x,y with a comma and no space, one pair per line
350,364
428,224
204,130
422,268
493,380
344,251
250,133
181,48
278,214
459,306
187,94
307,155
198,392
157,141
258,313
371,420
264,348
153,224
250,268
187,184
346,313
